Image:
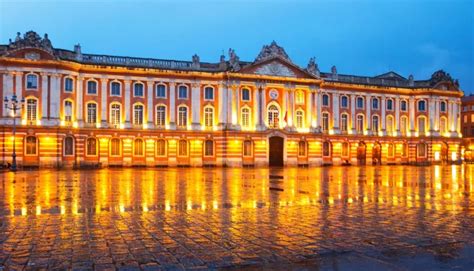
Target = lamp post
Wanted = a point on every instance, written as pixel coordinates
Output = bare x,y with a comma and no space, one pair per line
14,105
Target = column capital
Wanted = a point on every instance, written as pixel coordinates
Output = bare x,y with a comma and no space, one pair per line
196,84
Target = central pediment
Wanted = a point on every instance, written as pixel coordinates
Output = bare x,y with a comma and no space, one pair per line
274,68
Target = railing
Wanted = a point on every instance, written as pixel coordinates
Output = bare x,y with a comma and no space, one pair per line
133,61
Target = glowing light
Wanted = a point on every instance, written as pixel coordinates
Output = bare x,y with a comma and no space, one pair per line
436,156
38,210
167,206
97,125
454,156
23,211
62,209
75,124
23,122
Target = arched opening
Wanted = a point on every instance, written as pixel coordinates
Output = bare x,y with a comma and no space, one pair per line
377,154
276,151
361,153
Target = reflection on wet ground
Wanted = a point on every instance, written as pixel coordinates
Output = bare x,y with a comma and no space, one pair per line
329,218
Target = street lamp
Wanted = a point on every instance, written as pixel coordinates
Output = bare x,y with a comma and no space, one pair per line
14,105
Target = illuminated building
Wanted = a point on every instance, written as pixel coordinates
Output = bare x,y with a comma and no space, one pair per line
99,110
467,123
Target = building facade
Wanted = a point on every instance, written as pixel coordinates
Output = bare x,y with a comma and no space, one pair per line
87,110
467,123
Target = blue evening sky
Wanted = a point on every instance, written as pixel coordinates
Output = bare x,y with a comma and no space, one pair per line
359,37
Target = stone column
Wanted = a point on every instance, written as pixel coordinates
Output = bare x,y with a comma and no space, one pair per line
411,111
196,105
44,98
256,108
318,110
335,110
55,98
397,116
172,109
79,101
431,114
353,116
234,105
127,107
222,89
368,116
383,117
149,107
103,102
309,108
436,117
7,91
458,118
263,104
19,93
291,108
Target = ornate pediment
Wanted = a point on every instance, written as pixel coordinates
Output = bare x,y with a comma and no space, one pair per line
31,39
275,68
271,51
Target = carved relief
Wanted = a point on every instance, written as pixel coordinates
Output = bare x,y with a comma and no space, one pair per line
275,69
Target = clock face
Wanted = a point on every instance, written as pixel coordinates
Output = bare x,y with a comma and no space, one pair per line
273,94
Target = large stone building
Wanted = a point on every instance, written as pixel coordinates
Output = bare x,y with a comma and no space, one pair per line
467,119
100,110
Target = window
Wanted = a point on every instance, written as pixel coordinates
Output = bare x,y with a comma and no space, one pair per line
138,114
208,117
443,128
442,107
360,124
325,122
345,149
389,124
209,93
160,91
299,118
115,89
375,103
360,103
115,117
421,125
183,148
247,148
91,87
344,121
138,147
302,148
375,124
299,97
182,116
208,148
245,94
161,147
245,115
326,149
91,146
403,106
138,90
68,111
31,81
391,150
68,145
404,126
421,149
273,117
421,105
390,104
115,147
325,100
91,113
31,109
31,148
182,92
160,116
344,102
68,84
405,150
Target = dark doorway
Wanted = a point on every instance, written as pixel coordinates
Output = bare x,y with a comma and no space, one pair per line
361,156
444,152
377,154
276,151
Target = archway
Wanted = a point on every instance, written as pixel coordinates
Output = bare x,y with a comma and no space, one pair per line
377,154
276,151
361,153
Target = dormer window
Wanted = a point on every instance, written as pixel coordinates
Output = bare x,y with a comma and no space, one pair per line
31,81
68,84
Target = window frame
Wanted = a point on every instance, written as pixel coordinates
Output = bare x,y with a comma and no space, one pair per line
179,148
178,123
143,147
242,94
36,146
206,88
112,83
344,98
87,112
65,80
95,149
205,154
359,98
250,148
36,81
328,100
179,92
305,154
165,147
134,117
157,117
64,146
135,84
96,87
120,147
164,89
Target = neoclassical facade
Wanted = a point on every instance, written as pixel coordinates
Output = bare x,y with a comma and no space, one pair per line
87,110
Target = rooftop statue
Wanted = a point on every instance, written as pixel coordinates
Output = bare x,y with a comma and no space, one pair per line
233,60
313,67
272,50
31,39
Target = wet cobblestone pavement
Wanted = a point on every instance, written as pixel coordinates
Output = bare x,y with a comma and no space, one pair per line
330,218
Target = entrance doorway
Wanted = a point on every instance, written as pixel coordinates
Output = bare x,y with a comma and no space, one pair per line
276,151
444,152
361,156
377,154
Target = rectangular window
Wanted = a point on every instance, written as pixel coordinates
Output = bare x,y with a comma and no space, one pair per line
91,113
68,85
31,109
209,94
160,91
91,87
302,148
115,89
247,148
182,92
344,123
31,81
325,122
138,90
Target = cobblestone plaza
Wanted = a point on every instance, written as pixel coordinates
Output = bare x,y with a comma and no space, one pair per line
327,218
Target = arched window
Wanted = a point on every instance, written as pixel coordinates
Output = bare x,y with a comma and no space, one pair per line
68,146
391,150
325,122
31,81
344,122
299,119
91,113
31,145
245,115
247,148
182,92
161,116
326,149
403,106
115,89
245,94
442,106
375,124
422,105
91,87
138,114
404,125
443,127
208,117
421,125
31,109
91,146
138,147
182,148
375,103
325,100
67,110
208,148
273,117
161,147
299,97
405,150
345,149
138,90
360,124
389,104
360,103
302,148
115,147
160,91
182,116
68,84
208,93
421,150
115,114
389,125
344,102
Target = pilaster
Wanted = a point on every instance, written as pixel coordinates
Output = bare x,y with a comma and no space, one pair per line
196,105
